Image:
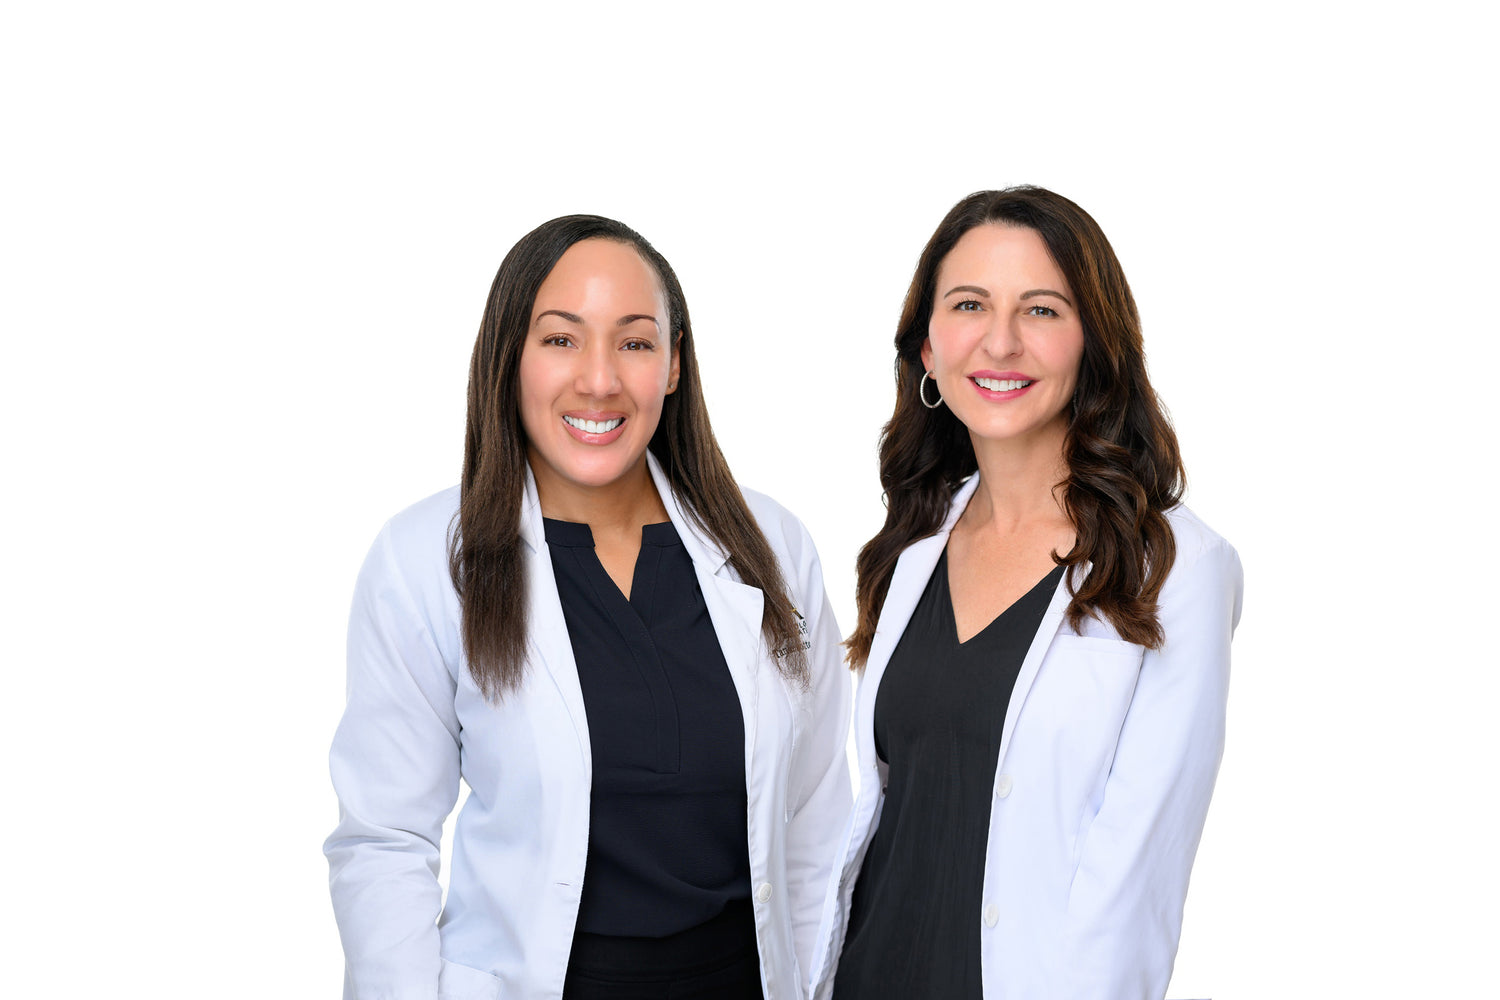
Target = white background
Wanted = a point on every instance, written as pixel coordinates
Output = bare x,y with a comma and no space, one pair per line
246,248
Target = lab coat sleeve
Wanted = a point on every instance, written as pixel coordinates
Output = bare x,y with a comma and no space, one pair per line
1126,899
820,792
395,766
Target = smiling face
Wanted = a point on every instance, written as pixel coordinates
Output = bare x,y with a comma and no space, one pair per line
1005,340
595,368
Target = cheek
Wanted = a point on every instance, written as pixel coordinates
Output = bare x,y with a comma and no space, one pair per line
941,343
1064,354
648,383
534,382
1074,360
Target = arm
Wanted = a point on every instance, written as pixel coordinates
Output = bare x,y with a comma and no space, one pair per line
395,766
820,789
1125,903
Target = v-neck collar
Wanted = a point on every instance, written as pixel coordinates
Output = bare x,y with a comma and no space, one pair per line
946,595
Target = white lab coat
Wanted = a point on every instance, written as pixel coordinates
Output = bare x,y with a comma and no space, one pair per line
1107,760
415,724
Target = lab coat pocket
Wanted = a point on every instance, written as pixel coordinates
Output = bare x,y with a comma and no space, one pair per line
459,982
1092,678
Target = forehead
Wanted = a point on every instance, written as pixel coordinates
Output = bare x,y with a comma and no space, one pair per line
993,254
602,272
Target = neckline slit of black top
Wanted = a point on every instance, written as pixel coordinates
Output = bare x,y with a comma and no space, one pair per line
578,535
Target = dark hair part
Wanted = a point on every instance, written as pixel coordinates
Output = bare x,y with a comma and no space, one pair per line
1124,467
486,557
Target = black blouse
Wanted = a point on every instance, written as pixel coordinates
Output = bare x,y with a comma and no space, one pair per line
667,842
914,926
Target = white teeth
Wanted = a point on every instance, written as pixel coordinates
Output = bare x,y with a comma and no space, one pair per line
594,426
1002,384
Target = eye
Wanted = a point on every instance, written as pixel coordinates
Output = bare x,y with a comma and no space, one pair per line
558,340
637,345
1041,311
968,305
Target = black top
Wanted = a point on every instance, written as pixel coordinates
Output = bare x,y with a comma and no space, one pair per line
915,923
667,841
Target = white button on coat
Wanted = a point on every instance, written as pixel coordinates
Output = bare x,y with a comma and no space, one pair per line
991,915
763,892
1003,785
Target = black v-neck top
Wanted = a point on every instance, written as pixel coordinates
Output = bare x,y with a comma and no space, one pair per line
667,828
914,927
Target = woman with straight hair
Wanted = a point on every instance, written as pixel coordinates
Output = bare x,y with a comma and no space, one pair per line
628,659
1043,637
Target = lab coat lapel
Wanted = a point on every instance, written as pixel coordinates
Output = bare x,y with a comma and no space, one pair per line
1035,653
909,579
734,607
547,629
913,570
736,610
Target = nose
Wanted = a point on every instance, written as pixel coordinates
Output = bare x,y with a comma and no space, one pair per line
1003,338
597,375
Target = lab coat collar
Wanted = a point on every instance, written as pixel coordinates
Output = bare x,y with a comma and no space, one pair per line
734,607
702,549
1051,623
532,531
908,580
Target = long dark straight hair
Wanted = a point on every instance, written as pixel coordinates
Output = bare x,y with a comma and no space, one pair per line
485,555
1124,466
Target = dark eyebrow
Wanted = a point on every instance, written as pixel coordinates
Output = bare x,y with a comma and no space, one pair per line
1046,291
575,318
973,289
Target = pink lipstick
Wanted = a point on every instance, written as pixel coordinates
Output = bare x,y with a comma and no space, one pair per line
1000,386
591,427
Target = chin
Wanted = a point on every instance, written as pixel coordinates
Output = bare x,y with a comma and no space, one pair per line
597,473
1003,432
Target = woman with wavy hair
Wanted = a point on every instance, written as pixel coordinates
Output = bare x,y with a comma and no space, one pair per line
1043,637
629,660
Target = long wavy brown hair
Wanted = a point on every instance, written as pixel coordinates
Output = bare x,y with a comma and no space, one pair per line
486,558
1124,466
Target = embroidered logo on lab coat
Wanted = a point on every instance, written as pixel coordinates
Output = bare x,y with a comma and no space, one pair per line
801,630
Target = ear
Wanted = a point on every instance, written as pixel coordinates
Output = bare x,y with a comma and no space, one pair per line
676,364
927,353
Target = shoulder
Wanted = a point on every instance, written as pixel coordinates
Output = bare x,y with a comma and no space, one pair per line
782,528
414,542
425,519
1205,563
791,543
1195,539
